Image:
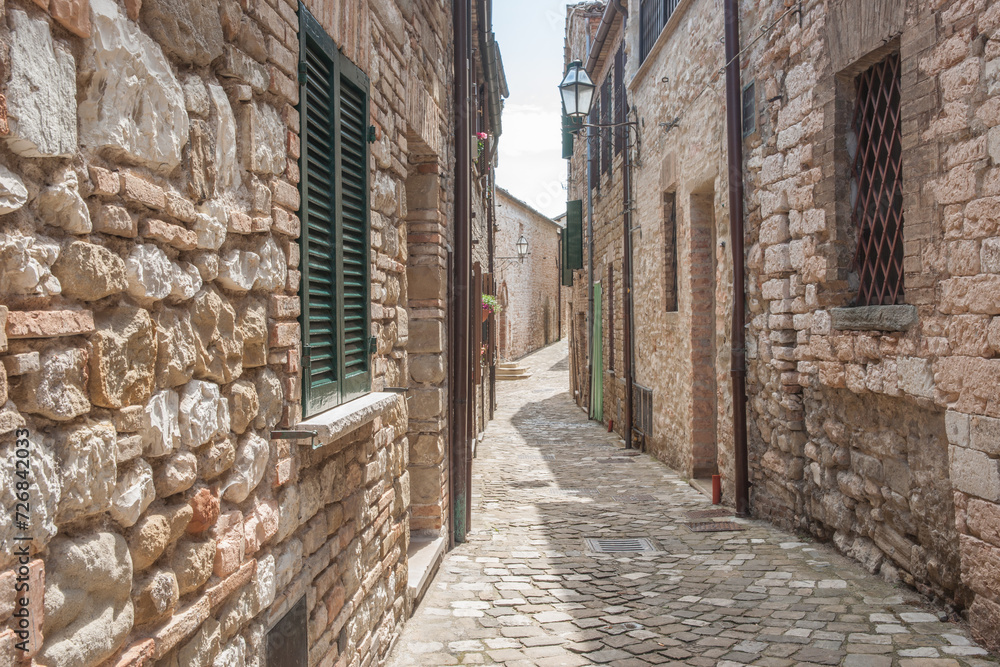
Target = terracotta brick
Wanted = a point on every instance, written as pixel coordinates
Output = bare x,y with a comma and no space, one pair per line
221,591
240,223
138,654
283,86
286,223
284,307
49,323
285,194
137,189
284,334
181,625
206,511
172,235
105,182
74,15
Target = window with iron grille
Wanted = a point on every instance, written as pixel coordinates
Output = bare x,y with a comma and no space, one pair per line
621,132
749,109
607,96
874,145
653,16
333,103
670,251
594,144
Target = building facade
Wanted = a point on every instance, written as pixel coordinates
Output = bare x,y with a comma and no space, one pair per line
870,143
223,349
528,290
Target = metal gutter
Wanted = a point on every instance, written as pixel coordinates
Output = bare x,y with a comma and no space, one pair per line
607,20
738,369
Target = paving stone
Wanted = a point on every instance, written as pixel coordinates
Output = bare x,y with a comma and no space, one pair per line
525,590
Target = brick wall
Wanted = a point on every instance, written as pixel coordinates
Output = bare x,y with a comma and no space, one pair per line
529,289
881,440
149,275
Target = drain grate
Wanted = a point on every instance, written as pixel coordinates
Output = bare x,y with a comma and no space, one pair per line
709,514
603,545
714,526
641,498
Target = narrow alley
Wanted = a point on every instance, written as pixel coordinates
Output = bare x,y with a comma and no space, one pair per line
527,589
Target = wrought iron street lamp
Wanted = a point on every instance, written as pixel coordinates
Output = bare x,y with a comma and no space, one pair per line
522,248
577,90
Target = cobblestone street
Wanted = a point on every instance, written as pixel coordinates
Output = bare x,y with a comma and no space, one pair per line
527,590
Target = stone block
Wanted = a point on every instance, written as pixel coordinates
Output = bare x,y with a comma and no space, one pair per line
108,117
204,413
248,468
22,364
154,596
49,323
61,205
91,577
104,181
88,469
170,234
425,485
219,342
426,403
134,491
176,474
426,449
193,561
138,190
916,376
74,15
975,473
984,616
190,30
41,93
975,294
425,283
123,357
428,368
984,434
426,337
116,220
230,544
874,318
57,391
156,531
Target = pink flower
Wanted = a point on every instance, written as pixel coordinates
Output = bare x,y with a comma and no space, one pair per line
482,135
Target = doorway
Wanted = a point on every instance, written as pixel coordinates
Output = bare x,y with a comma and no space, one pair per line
704,400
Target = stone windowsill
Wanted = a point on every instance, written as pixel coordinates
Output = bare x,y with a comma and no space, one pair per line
874,318
337,422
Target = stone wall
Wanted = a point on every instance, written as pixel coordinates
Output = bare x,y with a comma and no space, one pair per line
683,348
529,290
913,492
149,275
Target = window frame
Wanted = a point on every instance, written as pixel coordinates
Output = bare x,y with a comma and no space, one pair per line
670,274
342,73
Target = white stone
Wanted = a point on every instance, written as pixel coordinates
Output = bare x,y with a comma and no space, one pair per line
178,473
204,413
210,225
264,139
134,106
46,490
150,273
13,194
224,124
88,604
133,493
248,469
208,265
160,431
916,376
270,399
195,95
265,581
975,473
272,270
186,281
41,94
61,205
88,469
59,389
238,270
233,655
26,265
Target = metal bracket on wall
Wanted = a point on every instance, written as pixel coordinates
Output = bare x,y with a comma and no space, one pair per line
295,435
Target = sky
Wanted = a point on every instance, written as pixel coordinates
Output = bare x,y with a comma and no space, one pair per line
531,37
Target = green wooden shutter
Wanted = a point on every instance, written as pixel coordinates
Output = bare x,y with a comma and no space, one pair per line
334,108
574,233
320,324
566,271
354,221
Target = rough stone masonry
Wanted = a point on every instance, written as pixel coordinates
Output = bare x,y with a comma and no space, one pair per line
149,340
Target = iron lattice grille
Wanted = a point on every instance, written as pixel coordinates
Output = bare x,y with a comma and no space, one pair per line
642,409
877,184
653,16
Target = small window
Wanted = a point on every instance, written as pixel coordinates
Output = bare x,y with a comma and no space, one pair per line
594,144
670,251
749,110
875,148
653,17
607,94
336,366
288,640
621,132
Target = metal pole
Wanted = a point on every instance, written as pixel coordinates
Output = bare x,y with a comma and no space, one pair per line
738,369
627,270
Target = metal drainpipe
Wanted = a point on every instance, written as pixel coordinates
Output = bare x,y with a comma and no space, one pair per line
491,221
738,369
459,282
627,270
589,334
